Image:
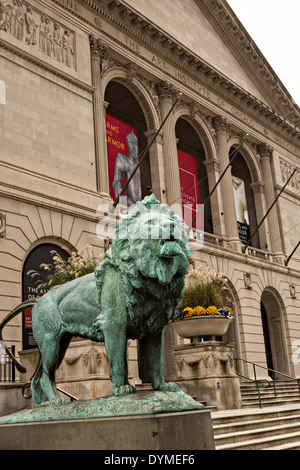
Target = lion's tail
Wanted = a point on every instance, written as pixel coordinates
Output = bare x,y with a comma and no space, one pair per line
20,308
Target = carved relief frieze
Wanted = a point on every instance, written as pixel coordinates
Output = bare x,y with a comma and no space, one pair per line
286,170
204,363
27,24
89,360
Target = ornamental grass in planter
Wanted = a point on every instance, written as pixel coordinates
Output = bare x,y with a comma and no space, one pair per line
205,295
78,264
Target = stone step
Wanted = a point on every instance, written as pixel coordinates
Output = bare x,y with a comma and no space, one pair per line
248,425
269,392
262,443
287,392
270,403
274,428
248,415
256,433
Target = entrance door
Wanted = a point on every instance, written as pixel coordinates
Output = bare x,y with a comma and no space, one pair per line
274,335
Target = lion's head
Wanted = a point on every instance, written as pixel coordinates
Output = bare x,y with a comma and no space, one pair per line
151,242
151,250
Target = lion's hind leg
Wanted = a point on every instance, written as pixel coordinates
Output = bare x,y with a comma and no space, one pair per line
51,356
37,394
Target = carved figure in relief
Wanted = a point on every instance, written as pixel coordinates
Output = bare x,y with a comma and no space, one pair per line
49,38
67,46
57,44
124,166
42,35
131,295
31,27
13,18
20,21
4,14
47,33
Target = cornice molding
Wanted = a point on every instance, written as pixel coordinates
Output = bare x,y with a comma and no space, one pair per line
121,15
245,50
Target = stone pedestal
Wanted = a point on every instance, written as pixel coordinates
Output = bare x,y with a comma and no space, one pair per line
152,420
170,431
205,370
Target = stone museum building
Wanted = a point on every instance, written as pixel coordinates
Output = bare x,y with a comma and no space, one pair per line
85,86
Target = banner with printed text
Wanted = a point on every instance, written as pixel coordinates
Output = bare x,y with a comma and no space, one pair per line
241,209
116,133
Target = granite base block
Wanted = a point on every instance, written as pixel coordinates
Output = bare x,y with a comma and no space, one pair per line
189,430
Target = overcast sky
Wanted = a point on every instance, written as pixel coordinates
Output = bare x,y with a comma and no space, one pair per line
274,25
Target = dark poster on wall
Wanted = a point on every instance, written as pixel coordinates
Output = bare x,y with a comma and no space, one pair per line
40,254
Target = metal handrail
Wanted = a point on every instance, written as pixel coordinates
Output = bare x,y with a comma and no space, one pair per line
27,385
258,381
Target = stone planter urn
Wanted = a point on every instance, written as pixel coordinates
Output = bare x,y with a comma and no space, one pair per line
198,327
205,367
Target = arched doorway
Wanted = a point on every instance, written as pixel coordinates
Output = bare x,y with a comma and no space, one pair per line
274,333
125,137
193,175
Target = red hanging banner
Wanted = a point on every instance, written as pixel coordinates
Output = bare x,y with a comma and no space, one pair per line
190,193
121,141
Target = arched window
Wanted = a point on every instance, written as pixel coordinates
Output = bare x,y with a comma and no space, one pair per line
125,137
193,176
40,254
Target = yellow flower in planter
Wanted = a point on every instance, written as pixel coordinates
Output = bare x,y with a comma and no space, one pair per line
211,311
199,311
188,312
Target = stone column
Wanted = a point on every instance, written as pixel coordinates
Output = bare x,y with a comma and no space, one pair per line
98,52
222,126
273,220
167,94
260,204
212,169
156,156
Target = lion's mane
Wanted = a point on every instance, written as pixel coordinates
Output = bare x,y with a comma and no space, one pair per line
145,235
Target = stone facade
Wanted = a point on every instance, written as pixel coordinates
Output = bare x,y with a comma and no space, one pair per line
68,63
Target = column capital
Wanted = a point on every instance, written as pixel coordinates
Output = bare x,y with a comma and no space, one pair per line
167,90
265,151
221,124
151,133
213,164
257,186
98,48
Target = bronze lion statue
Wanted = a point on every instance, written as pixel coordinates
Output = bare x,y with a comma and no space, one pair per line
132,294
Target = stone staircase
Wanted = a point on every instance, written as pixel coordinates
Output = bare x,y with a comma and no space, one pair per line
272,428
275,426
287,392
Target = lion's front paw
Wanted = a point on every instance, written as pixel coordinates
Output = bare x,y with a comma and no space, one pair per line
123,390
168,387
